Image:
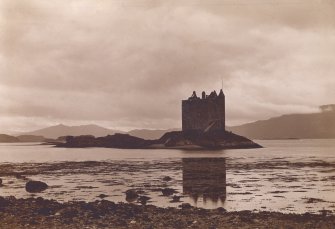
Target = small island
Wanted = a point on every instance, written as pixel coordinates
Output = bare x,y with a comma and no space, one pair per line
203,127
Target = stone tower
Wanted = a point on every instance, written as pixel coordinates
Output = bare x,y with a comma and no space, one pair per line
205,113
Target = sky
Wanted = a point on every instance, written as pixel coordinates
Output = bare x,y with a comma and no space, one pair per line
127,64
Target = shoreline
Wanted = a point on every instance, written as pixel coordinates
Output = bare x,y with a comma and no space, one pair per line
158,147
43,213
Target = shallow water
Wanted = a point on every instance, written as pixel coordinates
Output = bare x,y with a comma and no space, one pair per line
287,175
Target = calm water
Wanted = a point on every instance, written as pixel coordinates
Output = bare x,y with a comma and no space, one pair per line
286,175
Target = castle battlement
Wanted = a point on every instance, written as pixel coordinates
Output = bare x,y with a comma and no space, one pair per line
205,113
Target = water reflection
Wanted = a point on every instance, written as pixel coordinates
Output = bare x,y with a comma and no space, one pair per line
205,179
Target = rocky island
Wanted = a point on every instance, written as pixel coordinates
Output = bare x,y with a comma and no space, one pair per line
170,140
203,127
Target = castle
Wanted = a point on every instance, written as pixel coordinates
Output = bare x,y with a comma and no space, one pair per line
205,113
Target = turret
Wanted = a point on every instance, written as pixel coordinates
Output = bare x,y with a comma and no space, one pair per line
221,93
203,95
194,96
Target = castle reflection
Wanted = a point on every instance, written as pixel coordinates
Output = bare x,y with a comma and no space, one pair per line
205,178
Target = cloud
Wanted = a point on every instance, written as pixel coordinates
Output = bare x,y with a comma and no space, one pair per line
128,64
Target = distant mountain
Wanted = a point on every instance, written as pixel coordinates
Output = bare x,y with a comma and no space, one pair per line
23,138
150,134
8,138
314,125
63,130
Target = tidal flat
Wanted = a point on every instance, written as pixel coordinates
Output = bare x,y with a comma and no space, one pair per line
288,183
276,185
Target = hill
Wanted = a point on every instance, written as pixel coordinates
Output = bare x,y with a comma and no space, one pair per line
313,125
8,138
63,130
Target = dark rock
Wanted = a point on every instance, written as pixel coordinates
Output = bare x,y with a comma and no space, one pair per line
168,191
0,181
36,186
175,199
45,211
131,195
221,209
143,199
167,178
314,200
185,206
102,196
216,139
39,200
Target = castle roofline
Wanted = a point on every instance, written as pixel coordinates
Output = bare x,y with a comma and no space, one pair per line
212,95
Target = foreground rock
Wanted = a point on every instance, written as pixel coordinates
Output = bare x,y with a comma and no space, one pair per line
40,213
36,186
216,139
131,195
168,191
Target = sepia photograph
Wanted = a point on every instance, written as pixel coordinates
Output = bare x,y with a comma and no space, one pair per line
148,114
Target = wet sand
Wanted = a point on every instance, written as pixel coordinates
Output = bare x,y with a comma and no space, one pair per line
278,185
41,213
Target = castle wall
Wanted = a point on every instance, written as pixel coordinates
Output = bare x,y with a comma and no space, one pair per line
199,114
